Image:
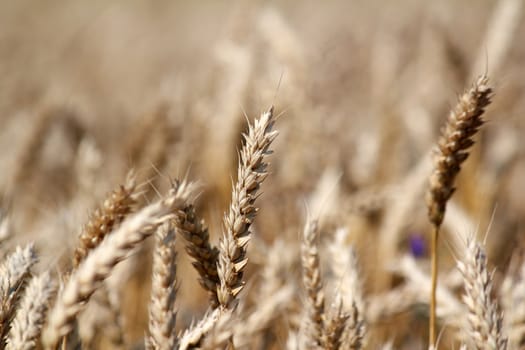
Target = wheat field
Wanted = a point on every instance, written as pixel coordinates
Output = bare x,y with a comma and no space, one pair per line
262,174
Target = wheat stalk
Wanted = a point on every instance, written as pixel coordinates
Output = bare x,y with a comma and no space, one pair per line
113,210
345,269
30,317
347,282
162,315
252,171
485,321
457,137
203,253
311,272
355,330
14,271
100,263
335,327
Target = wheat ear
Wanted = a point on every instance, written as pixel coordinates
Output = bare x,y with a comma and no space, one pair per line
30,317
457,137
252,171
203,253
335,326
347,282
162,315
100,262
311,269
113,210
484,319
13,272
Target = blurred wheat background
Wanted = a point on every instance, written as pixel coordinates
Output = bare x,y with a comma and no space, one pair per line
92,90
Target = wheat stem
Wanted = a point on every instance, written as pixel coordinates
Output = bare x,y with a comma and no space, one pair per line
463,123
434,276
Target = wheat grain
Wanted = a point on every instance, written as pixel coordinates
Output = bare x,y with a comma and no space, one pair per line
335,326
99,264
457,137
14,271
354,329
30,317
162,315
203,253
350,314
484,320
345,270
113,210
252,171
313,322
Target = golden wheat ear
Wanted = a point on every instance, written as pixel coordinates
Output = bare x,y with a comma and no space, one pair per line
463,123
15,270
204,255
348,307
29,320
162,313
252,171
313,325
485,322
117,205
100,263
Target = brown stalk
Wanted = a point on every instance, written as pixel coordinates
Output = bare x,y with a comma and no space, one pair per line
457,137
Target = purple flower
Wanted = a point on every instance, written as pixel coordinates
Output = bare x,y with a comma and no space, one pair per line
417,245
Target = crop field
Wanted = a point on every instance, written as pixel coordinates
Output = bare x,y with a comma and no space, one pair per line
262,174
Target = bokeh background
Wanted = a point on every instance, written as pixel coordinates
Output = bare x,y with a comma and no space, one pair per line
90,90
